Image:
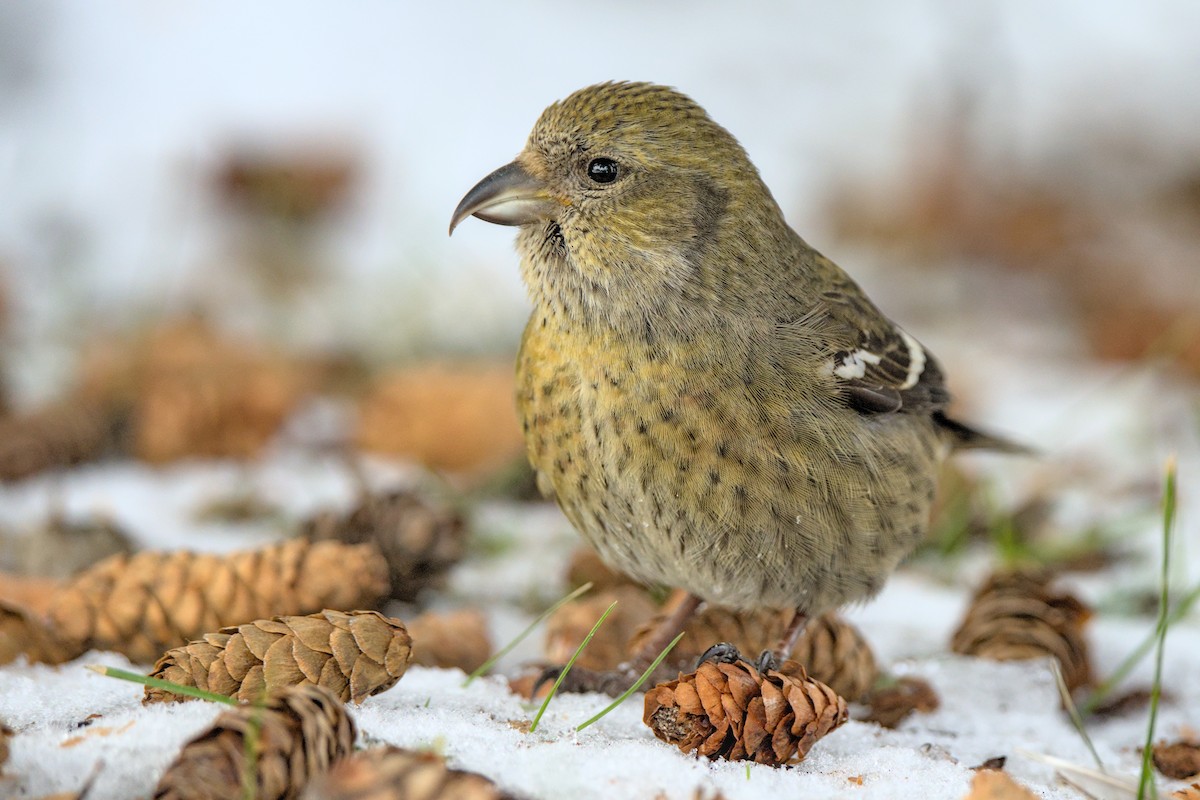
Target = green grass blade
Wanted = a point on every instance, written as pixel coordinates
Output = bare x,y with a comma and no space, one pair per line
637,684
1106,687
1146,785
567,668
502,652
159,683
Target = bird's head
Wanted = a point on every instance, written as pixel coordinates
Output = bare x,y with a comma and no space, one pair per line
625,189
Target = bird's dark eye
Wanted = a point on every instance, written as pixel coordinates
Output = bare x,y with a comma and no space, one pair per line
603,170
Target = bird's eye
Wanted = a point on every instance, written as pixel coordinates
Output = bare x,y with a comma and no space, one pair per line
602,170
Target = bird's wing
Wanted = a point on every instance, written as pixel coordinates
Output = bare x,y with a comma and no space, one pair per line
879,367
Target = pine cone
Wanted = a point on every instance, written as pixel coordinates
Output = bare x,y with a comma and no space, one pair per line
299,733
730,711
201,394
568,626
1177,760
1015,616
390,773
70,432
586,566
23,633
419,539
1187,793
893,703
455,639
353,655
143,604
832,650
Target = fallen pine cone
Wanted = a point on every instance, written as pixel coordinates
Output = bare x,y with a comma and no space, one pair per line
568,626
731,711
294,736
390,773
354,655
200,393
456,639
586,566
24,633
1177,760
832,650
143,604
892,704
457,417
63,434
420,539
1015,616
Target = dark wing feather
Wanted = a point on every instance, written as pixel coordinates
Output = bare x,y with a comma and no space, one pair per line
880,367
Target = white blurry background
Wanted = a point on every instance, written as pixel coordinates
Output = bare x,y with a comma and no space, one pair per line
115,118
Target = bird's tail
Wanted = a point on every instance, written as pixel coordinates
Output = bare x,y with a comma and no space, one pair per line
964,437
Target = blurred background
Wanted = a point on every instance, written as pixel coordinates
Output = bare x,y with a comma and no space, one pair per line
218,216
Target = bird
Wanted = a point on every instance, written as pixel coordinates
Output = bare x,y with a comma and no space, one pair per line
714,404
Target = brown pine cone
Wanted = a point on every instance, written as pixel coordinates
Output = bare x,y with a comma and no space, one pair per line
144,604
295,735
1177,760
455,639
24,633
390,773
832,650
892,704
70,432
1015,616
731,711
586,566
420,539
568,626
199,393
354,655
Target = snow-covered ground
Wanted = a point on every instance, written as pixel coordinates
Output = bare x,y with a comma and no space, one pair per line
1096,431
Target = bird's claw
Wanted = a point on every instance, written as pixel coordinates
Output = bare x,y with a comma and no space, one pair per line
726,653
720,653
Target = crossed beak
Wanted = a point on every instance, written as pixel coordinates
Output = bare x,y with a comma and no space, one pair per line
509,196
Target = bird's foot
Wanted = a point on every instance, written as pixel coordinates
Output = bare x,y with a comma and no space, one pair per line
726,653
720,653
611,682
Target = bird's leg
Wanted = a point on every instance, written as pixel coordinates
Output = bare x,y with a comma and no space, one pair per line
771,659
614,682
685,605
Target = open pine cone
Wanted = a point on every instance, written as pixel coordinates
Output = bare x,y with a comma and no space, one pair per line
143,604
730,711
390,773
1016,616
832,650
354,655
298,734
419,538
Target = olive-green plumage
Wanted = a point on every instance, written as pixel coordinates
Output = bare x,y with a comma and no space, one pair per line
715,405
